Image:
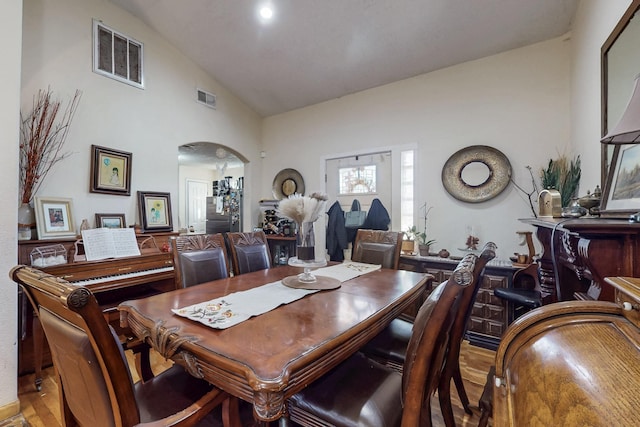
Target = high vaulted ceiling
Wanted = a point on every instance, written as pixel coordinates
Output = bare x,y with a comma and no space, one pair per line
316,50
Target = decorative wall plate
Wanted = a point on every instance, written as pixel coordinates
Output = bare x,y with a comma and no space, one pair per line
499,173
287,182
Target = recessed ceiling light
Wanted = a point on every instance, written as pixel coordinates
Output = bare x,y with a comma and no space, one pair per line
266,12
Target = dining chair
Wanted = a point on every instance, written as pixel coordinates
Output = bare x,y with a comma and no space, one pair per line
199,258
94,382
249,251
390,346
377,247
363,392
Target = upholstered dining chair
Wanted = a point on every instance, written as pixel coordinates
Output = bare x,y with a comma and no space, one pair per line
94,382
249,251
199,258
377,247
390,346
362,392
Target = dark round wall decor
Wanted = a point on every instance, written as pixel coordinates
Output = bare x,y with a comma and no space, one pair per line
287,182
499,173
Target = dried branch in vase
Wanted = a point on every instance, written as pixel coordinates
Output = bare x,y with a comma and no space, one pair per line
42,138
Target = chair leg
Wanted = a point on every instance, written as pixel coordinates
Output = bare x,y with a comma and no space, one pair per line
486,400
444,396
231,412
462,393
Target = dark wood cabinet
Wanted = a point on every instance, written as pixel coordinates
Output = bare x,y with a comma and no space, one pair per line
490,314
281,248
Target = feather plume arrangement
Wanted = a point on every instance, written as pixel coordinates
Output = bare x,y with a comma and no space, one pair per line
299,208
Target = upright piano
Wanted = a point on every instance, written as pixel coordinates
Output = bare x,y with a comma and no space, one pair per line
112,281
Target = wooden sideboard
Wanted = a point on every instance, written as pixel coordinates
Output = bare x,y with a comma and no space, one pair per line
490,315
578,253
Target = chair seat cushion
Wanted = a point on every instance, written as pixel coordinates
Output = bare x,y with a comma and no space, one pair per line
167,393
357,393
392,342
526,297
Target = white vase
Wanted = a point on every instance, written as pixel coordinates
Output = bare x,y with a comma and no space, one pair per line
26,222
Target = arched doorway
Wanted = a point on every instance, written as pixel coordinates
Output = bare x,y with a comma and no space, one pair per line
211,181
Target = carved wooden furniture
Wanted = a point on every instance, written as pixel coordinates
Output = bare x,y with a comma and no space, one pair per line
390,346
490,315
579,253
249,251
363,392
572,363
94,382
199,258
377,247
290,346
111,281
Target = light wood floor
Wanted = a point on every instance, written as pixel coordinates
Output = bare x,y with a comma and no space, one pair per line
41,409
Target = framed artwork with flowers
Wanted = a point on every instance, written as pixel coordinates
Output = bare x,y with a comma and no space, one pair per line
154,209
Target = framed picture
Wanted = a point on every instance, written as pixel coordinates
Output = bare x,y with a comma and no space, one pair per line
104,220
621,196
110,171
54,218
155,211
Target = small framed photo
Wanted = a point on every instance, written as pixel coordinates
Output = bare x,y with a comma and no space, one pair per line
621,196
54,218
155,211
110,171
104,220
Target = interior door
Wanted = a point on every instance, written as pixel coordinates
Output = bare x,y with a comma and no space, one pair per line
196,205
350,178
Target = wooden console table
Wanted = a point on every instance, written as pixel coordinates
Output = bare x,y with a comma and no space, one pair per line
490,315
578,253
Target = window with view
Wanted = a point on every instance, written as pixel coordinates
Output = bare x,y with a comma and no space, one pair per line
358,180
116,55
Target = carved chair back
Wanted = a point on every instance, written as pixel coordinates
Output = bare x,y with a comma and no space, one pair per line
199,258
377,247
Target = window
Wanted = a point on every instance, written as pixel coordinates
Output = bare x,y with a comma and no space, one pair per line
358,180
116,55
406,190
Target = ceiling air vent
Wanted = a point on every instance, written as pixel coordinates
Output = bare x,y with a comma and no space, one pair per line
207,98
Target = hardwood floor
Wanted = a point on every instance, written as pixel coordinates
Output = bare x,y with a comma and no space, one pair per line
41,409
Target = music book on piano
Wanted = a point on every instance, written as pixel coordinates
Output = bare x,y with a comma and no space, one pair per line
103,243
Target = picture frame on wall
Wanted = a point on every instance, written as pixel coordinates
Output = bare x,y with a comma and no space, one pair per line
621,195
105,220
110,171
54,217
154,209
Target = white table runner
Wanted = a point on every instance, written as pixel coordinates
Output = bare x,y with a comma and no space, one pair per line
222,313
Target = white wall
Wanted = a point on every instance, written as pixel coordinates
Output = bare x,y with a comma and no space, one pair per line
11,32
517,102
149,123
594,21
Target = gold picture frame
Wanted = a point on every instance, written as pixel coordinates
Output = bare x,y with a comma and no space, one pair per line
54,218
110,171
104,220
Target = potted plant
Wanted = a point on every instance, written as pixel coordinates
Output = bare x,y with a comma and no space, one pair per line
421,238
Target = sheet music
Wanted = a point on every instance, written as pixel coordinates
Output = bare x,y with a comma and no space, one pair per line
103,243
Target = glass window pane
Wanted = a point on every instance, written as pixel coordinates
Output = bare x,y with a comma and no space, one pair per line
134,63
358,180
406,190
120,56
104,49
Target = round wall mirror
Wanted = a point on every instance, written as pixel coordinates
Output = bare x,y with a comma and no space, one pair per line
476,173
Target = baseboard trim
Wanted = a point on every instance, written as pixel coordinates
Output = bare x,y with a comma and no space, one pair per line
8,411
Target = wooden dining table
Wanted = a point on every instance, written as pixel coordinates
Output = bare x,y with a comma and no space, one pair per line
268,358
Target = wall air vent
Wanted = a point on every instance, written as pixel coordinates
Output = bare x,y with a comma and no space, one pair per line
207,98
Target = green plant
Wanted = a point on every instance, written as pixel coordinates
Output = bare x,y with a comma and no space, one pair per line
419,236
563,175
